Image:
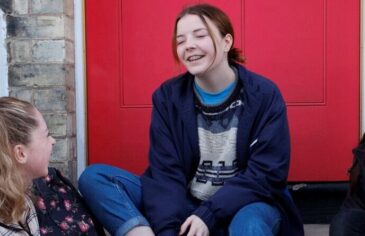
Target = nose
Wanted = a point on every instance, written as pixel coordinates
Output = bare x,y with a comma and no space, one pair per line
190,43
53,140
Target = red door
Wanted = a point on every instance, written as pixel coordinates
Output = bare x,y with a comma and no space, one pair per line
309,48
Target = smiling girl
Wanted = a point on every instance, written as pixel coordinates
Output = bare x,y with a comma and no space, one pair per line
25,148
219,148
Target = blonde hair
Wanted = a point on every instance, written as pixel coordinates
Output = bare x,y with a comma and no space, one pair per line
16,123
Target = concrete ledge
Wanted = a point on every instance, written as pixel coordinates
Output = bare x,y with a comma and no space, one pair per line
316,230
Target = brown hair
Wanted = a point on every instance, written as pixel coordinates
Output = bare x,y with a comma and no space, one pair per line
16,123
219,18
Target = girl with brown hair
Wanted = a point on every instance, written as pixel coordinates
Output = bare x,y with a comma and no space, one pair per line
219,148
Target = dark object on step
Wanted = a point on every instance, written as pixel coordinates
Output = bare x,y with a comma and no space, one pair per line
349,221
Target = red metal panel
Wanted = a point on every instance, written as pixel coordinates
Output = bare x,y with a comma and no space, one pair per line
145,46
312,53
288,45
309,48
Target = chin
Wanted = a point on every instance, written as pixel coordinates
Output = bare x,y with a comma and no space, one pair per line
199,71
43,174
196,72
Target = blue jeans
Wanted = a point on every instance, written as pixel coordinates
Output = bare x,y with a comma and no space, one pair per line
114,196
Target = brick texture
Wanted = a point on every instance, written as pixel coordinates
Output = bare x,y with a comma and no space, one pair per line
40,45
20,7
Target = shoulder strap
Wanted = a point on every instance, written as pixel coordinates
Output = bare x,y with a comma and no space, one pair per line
9,227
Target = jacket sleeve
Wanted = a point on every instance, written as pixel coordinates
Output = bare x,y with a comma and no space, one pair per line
267,165
164,182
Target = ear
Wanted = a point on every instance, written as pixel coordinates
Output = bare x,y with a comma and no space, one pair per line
20,153
228,40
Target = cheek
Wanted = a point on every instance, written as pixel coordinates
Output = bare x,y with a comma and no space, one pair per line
50,147
209,45
180,53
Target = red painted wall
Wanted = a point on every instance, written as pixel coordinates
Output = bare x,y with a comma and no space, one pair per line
309,48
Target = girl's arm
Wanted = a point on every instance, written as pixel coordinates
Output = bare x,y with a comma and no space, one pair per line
164,182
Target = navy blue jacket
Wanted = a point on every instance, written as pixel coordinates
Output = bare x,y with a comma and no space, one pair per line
174,157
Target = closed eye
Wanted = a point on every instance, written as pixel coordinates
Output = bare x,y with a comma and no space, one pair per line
201,35
178,42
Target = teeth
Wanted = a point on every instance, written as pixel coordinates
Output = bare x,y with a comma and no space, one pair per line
193,58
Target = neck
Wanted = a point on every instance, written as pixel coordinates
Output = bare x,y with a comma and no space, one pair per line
217,79
27,179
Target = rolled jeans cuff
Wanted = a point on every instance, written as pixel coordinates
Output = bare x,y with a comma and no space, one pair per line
130,224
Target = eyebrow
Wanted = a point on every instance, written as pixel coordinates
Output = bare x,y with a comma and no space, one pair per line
194,31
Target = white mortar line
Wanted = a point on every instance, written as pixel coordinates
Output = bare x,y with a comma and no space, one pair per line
80,86
4,85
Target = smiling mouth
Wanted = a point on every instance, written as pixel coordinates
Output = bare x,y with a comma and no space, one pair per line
194,58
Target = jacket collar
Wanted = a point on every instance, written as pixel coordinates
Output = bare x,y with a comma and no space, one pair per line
185,101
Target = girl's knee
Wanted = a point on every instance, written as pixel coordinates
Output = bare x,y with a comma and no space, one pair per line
256,219
258,209
103,177
254,226
91,175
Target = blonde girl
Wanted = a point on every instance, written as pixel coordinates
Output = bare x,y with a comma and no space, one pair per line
25,149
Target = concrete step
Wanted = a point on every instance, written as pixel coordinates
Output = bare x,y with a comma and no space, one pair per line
309,230
316,229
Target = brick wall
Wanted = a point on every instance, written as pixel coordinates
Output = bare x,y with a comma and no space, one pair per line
40,46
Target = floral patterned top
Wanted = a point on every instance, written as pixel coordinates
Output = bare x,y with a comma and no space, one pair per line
60,207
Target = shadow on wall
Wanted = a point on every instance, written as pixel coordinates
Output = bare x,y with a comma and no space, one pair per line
5,6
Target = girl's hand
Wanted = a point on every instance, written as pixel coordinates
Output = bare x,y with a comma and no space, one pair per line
194,227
